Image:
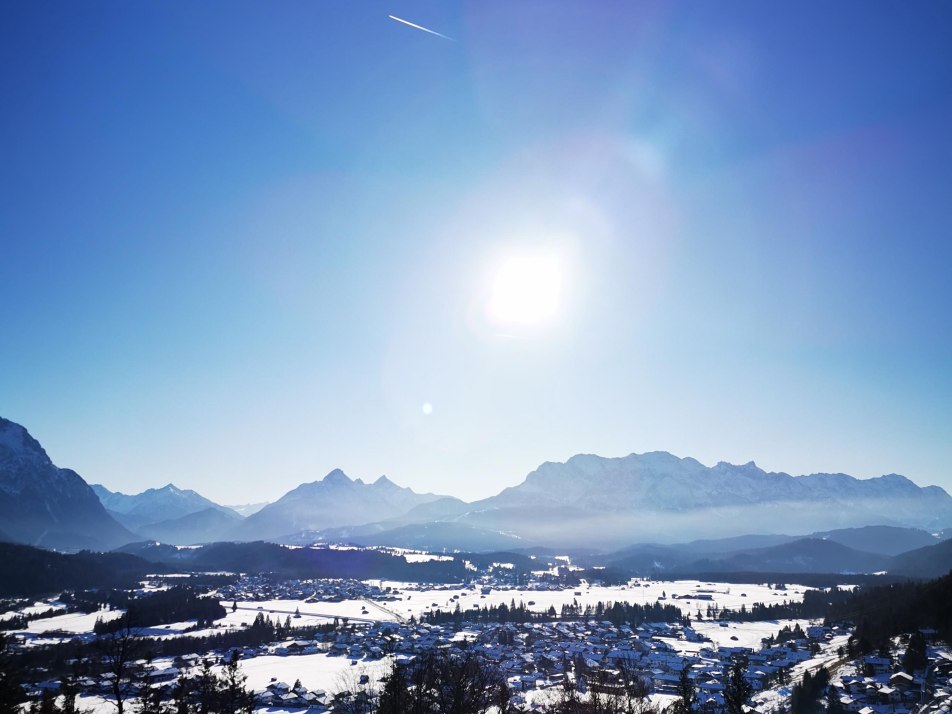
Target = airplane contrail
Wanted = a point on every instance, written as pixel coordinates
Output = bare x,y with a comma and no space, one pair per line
419,27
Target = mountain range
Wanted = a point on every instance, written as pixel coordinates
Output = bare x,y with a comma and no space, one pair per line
155,505
603,502
170,514
587,502
334,501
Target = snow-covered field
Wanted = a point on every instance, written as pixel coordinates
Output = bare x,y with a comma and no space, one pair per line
736,634
76,622
34,609
415,601
316,671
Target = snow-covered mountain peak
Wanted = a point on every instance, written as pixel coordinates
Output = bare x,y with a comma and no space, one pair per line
16,443
337,477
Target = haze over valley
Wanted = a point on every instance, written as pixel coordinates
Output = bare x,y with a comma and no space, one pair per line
588,503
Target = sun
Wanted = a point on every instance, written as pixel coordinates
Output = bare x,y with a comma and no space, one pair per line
526,291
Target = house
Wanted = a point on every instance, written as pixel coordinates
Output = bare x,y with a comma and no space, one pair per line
901,681
877,665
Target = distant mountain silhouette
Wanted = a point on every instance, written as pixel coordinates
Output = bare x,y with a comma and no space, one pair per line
885,540
207,526
930,562
334,501
154,505
591,500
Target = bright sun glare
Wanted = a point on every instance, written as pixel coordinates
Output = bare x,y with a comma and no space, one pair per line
526,291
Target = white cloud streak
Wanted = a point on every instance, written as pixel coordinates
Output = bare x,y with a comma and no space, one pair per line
419,27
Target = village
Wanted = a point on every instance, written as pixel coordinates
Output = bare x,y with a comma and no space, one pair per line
345,635
543,657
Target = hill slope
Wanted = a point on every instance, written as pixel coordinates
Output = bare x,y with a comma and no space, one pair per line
41,504
205,526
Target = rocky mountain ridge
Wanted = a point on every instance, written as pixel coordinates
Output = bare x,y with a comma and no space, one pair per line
41,504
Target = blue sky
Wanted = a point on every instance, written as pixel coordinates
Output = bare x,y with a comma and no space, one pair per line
246,243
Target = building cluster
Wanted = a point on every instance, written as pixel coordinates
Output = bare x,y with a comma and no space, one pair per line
877,685
539,656
260,588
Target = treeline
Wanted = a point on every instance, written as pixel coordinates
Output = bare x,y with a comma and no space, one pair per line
261,557
162,608
786,634
618,613
609,576
805,696
815,603
20,622
465,683
437,682
263,631
812,580
29,571
625,613
880,613
207,691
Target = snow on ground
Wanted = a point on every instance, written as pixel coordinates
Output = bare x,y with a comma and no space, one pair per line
94,704
316,671
333,673
76,622
425,557
35,609
777,698
414,601
747,634
302,614
552,695
311,612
